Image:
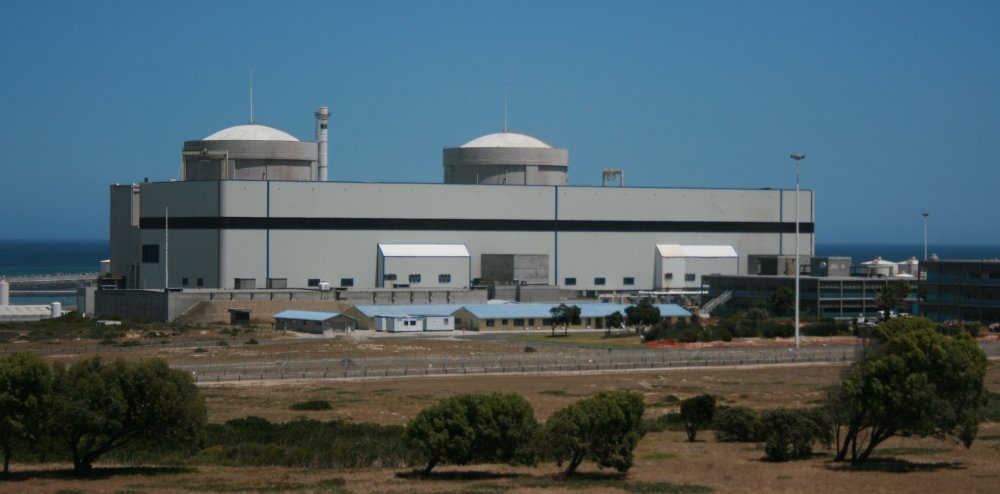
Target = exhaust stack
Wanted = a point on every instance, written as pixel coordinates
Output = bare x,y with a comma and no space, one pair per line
322,119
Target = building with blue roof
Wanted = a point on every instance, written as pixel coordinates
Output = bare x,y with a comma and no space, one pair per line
313,321
536,316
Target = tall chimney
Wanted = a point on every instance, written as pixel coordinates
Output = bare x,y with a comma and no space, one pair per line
322,119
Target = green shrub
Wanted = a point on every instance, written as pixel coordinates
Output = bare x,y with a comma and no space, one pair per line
469,428
790,434
737,424
604,429
311,405
251,341
253,441
697,413
827,328
530,349
773,329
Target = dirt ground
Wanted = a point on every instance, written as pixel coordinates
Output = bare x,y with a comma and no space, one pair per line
665,462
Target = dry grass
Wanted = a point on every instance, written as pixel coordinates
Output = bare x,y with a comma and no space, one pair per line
666,462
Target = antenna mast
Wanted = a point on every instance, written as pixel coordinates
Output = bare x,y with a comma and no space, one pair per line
505,108
251,97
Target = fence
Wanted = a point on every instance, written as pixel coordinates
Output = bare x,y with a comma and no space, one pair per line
292,367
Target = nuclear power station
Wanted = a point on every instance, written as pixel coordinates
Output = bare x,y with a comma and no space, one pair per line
255,209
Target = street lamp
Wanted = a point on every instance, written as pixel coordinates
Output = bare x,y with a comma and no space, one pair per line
797,157
925,215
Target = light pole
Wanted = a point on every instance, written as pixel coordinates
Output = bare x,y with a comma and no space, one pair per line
797,157
925,215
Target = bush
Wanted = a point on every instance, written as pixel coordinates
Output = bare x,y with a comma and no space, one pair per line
604,429
772,329
253,441
827,328
790,434
737,424
955,328
697,413
471,428
529,349
251,341
311,405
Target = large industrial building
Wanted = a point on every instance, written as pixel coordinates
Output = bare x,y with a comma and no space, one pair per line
254,209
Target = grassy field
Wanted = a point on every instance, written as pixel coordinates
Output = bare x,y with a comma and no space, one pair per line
666,462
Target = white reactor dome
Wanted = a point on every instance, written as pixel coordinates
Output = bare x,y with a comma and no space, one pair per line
506,158
506,140
251,132
250,152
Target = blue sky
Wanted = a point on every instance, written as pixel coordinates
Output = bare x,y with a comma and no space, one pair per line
895,104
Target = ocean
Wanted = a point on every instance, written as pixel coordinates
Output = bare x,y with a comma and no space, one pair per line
40,257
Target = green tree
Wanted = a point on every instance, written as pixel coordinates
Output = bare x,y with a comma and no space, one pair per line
737,424
790,434
25,387
782,301
604,429
470,428
910,381
643,314
697,414
98,407
564,315
614,320
891,297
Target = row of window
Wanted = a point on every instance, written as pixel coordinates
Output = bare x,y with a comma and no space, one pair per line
601,281
670,277
415,278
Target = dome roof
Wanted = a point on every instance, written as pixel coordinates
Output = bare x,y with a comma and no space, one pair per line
251,132
506,140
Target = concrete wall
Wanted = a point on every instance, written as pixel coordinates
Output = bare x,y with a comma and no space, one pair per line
124,239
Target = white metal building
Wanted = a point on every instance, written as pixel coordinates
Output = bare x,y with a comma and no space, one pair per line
423,266
681,266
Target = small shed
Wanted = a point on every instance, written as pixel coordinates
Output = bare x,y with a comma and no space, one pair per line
314,322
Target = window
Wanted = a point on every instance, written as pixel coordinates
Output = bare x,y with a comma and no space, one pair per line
184,281
689,277
503,321
346,282
414,278
444,321
519,322
531,322
598,281
628,280
444,278
389,277
201,282
313,282
490,323
668,276
151,253
570,281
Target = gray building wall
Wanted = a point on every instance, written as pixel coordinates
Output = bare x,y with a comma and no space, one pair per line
312,230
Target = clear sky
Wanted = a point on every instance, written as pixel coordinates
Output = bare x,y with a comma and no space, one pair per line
895,104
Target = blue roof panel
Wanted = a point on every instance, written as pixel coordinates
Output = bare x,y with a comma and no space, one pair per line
306,315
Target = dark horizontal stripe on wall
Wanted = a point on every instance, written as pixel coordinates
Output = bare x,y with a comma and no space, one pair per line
491,225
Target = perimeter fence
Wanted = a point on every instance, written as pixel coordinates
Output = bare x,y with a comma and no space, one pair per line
276,367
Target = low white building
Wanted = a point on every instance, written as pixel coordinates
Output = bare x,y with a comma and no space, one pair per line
680,267
423,266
